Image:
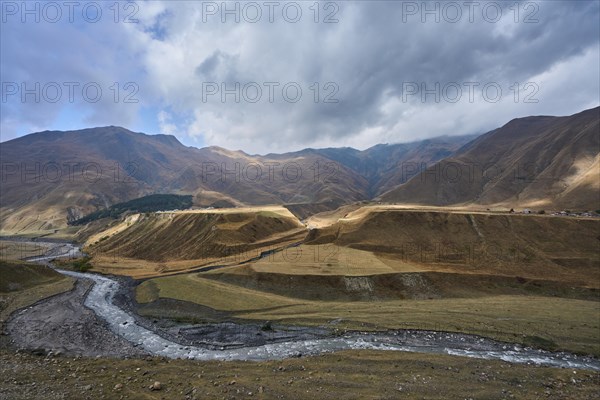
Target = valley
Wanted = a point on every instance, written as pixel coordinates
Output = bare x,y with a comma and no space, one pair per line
310,272
355,274
336,284
370,200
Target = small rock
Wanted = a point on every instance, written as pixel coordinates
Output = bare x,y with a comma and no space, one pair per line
118,386
156,386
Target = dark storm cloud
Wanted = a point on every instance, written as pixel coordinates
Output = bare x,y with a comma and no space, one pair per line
364,61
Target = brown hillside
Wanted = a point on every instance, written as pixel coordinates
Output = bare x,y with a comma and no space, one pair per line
532,246
195,235
535,161
50,178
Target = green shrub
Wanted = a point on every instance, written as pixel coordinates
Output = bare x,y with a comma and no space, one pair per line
266,326
80,264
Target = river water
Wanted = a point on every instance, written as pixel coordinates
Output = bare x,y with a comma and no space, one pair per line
121,322
100,300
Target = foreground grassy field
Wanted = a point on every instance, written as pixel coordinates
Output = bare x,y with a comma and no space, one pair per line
551,322
343,375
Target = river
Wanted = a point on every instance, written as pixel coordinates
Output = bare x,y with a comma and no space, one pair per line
100,300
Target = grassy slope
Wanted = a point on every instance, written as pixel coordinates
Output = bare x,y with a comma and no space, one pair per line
329,259
10,250
571,324
536,247
166,243
23,284
17,275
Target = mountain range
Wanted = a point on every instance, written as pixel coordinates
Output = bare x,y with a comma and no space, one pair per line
52,177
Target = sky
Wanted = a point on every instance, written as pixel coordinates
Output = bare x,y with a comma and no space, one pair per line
271,76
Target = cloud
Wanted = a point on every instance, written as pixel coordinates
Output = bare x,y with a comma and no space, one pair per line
238,84
164,123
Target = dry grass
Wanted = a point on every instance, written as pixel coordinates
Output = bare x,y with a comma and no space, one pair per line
168,243
194,235
344,375
536,247
24,284
14,250
329,259
517,277
275,210
142,269
198,290
112,230
355,241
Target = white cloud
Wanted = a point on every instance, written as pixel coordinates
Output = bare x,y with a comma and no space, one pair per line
164,123
172,54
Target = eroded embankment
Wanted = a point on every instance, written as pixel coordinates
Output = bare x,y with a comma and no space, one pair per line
399,286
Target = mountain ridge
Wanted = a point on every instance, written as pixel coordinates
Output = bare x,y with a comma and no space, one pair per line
52,177
98,167
530,161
